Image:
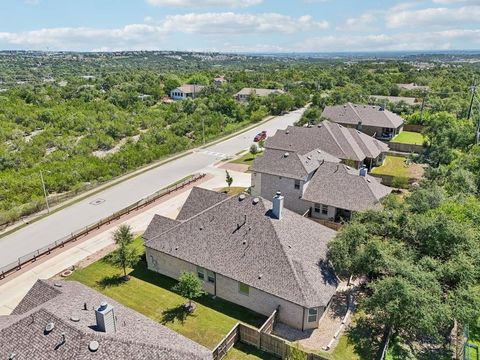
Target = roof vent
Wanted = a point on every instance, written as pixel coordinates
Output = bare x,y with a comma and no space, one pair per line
319,151
309,157
241,197
319,125
75,318
368,180
255,201
93,346
11,356
287,132
201,228
57,284
49,327
286,154
260,276
347,167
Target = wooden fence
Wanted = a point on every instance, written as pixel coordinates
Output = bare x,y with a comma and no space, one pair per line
262,339
328,223
413,127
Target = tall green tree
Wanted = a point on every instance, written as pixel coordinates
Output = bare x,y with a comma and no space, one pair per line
125,255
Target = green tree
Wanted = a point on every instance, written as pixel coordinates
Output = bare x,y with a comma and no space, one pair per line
190,287
125,255
254,150
228,178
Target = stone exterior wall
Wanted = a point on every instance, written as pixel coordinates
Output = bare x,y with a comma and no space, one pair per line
226,288
266,185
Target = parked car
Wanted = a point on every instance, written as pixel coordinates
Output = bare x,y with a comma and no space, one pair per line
260,136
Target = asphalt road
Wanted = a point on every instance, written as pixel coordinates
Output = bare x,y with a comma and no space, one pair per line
85,212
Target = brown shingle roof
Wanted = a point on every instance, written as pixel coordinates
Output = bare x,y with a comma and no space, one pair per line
293,165
190,89
240,239
136,336
342,187
158,225
335,139
368,115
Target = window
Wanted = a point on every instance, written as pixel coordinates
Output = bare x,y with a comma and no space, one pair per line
324,209
211,276
243,289
316,208
312,315
201,272
297,184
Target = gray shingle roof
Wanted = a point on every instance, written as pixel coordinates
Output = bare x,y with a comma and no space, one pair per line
136,336
199,199
243,241
342,187
190,89
368,115
293,165
158,224
335,139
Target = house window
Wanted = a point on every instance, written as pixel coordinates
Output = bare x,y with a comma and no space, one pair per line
324,209
211,276
312,315
297,184
201,272
243,289
316,208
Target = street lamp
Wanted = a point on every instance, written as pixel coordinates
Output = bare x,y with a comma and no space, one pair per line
45,192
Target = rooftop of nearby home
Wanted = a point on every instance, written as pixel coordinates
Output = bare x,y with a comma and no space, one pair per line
241,238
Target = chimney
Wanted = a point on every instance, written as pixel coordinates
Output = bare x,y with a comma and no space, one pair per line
359,126
105,318
363,171
278,205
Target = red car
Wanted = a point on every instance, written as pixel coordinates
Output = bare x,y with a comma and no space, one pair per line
260,136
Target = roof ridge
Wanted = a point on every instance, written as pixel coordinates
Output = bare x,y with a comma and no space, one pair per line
189,219
355,111
333,136
289,260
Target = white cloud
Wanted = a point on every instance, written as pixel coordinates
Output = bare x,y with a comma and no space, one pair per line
437,40
233,23
456,1
204,3
361,23
441,16
151,35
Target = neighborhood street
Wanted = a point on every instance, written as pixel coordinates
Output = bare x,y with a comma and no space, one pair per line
103,204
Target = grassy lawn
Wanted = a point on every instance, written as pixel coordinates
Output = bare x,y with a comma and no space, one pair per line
149,293
474,339
397,173
409,137
232,190
246,159
393,166
344,350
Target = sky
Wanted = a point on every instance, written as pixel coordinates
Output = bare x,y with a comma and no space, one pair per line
240,25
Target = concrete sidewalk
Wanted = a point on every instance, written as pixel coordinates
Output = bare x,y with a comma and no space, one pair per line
12,291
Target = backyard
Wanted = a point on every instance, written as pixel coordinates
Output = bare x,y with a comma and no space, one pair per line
150,294
395,171
409,137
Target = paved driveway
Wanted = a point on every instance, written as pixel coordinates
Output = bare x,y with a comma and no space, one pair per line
103,204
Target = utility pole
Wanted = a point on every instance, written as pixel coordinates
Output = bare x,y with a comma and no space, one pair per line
45,192
473,89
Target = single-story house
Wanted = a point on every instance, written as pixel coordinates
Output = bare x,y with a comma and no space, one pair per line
245,94
372,120
352,146
186,91
66,320
249,251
